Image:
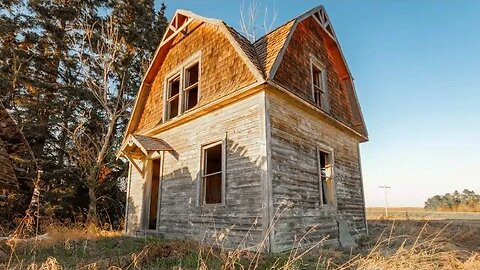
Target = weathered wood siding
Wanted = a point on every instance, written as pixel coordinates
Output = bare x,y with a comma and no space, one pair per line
241,125
294,70
135,191
295,133
222,69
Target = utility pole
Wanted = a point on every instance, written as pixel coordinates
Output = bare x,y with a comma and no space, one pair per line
385,187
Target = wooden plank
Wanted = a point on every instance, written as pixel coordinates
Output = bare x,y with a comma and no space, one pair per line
295,135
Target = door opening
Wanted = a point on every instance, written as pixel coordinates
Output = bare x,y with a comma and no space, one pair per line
154,189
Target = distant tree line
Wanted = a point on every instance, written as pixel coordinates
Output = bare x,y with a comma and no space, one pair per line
69,72
467,201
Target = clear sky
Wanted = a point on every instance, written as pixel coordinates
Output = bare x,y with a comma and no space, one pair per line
416,66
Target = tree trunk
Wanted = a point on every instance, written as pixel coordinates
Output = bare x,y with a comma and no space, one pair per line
92,207
92,180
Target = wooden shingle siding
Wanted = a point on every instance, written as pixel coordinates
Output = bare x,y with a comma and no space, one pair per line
181,213
222,69
294,69
295,133
269,46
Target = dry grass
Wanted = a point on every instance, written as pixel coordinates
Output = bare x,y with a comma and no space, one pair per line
391,245
435,245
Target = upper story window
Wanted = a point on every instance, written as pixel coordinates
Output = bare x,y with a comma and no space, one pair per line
191,86
319,84
182,89
173,97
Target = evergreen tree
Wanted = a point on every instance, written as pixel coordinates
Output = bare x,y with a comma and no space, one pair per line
41,83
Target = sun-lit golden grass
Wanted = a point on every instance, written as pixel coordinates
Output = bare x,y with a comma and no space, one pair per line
412,213
391,245
419,245
396,209
461,208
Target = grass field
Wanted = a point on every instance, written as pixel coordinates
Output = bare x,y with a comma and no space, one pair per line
391,245
413,213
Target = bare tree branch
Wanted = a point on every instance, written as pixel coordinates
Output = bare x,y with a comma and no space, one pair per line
249,24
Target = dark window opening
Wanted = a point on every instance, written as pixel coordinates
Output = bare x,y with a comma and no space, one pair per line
191,86
191,98
318,86
212,174
173,98
191,75
154,189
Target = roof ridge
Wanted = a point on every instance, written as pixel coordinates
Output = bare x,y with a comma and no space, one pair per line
255,59
274,30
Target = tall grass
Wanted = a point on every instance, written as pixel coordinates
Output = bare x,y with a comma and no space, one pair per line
392,245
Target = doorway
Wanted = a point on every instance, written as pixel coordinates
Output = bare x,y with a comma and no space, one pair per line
154,195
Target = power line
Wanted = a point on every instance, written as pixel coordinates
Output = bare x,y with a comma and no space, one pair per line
385,187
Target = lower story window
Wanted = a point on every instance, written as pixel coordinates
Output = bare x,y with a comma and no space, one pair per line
212,173
326,185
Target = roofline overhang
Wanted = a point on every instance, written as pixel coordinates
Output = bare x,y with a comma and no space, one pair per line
167,39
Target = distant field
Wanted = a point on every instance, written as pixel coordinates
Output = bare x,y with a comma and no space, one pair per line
414,213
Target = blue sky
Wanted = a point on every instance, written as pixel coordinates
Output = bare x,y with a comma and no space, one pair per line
416,66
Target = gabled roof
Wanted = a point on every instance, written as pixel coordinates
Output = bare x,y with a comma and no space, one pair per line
180,21
137,146
281,38
262,57
268,47
247,47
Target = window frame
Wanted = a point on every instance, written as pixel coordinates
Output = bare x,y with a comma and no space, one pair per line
201,186
180,71
324,93
168,99
190,87
332,187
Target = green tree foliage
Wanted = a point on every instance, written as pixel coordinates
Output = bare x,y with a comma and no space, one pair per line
466,201
42,83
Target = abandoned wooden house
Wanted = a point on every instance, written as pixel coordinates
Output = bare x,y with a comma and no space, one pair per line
257,142
17,163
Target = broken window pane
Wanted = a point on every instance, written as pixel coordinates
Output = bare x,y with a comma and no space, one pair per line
316,77
213,189
174,87
326,182
173,108
191,74
318,85
192,98
213,159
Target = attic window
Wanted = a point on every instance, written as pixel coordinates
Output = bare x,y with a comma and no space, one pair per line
319,84
325,173
183,88
191,86
173,97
